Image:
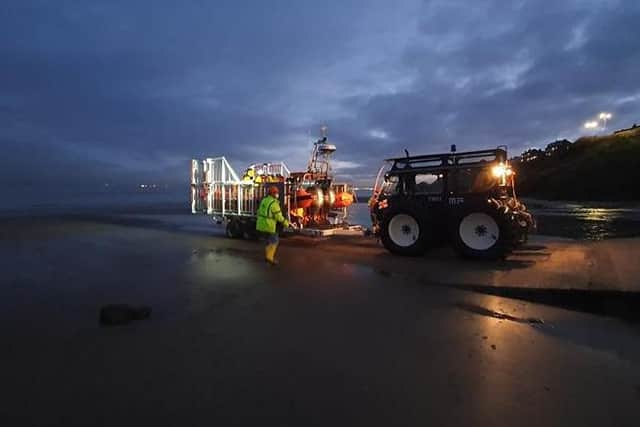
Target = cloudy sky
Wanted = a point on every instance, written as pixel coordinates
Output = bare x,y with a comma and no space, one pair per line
95,92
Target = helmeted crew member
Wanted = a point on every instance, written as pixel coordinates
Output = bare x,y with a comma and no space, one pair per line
269,215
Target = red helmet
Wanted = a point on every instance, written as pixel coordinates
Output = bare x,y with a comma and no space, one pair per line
273,190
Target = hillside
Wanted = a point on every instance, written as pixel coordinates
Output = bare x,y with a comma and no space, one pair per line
598,168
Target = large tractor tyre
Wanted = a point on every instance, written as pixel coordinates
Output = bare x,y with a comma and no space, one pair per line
403,233
234,229
481,234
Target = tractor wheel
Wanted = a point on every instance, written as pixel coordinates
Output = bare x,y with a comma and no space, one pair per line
481,234
233,230
403,233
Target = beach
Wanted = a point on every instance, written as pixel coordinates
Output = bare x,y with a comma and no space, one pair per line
339,332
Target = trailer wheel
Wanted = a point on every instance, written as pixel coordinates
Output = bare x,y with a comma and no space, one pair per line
403,233
481,234
249,230
233,230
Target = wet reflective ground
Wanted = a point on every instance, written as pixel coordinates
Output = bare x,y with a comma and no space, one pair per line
324,339
584,221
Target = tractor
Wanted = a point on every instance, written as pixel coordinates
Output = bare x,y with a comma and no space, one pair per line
463,199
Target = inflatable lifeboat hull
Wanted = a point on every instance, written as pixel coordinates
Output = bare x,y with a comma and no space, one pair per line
302,200
343,200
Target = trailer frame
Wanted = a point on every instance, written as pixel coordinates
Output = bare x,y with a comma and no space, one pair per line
218,191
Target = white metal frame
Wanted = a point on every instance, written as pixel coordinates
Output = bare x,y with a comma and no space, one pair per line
226,193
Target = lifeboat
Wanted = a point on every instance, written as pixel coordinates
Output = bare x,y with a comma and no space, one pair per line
317,197
343,200
330,198
302,200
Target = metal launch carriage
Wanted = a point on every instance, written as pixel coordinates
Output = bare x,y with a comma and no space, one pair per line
310,200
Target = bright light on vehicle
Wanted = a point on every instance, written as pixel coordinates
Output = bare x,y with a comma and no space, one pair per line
319,199
499,171
591,125
331,197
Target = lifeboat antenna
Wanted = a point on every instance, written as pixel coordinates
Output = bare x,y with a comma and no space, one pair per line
320,164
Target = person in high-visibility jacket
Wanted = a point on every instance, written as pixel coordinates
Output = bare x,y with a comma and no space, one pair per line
269,215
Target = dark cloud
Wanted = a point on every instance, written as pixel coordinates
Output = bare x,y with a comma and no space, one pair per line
122,91
518,74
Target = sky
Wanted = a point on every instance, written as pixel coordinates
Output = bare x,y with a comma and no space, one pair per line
125,92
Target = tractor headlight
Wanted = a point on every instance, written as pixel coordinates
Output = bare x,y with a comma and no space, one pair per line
499,171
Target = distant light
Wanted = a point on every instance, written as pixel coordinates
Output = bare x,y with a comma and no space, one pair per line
605,116
591,125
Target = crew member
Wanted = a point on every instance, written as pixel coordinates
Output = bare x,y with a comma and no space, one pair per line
269,215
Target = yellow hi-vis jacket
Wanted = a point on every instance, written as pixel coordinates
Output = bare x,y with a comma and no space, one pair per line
269,214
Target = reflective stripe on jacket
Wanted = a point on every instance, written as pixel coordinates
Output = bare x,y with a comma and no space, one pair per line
269,214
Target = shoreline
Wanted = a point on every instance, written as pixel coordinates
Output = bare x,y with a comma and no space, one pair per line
543,257
580,226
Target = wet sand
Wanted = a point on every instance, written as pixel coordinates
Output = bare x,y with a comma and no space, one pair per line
340,333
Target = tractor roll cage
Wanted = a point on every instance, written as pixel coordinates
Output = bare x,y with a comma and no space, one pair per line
446,161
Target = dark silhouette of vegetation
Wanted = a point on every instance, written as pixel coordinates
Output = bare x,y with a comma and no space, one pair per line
598,168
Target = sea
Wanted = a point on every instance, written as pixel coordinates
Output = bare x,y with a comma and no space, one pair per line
576,220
